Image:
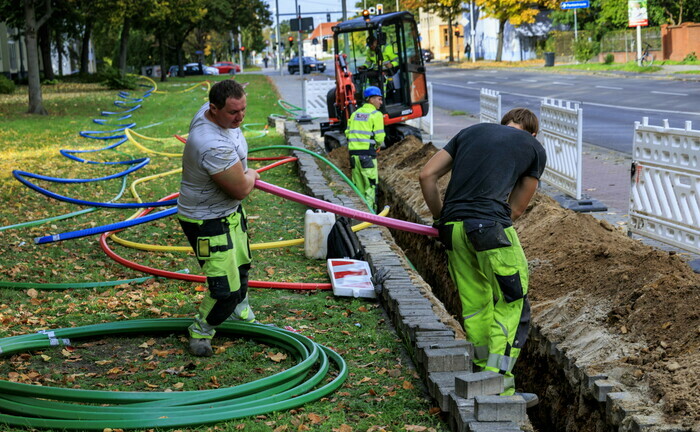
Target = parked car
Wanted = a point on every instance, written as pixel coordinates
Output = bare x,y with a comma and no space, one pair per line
194,69
427,55
226,67
310,65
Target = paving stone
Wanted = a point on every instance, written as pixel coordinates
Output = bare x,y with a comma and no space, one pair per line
620,405
458,407
441,384
499,408
433,335
479,384
601,388
445,359
501,426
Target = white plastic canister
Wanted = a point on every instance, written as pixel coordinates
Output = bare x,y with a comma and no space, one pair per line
317,225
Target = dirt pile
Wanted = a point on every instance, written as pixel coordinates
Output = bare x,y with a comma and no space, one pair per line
615,304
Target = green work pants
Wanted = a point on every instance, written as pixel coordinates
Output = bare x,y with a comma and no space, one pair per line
489,268
223,250
365,175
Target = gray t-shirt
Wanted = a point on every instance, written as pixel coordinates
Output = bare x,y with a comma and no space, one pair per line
210,149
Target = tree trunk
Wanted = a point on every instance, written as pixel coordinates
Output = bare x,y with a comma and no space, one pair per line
451,39
124,43
499,50
85,48
163,71
36,102
59,50
180,62
45,46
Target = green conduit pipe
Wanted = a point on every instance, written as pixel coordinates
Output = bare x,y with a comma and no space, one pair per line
330,164
77,285
64,408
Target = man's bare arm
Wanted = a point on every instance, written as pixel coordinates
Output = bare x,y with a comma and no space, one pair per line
439,165
521,195
235,182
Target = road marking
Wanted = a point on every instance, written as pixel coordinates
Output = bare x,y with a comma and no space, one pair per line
670,93
611,88
528,80
561,83
489,82
588,103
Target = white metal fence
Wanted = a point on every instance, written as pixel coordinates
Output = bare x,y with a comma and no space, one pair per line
665,187
489,106
316,91
561,135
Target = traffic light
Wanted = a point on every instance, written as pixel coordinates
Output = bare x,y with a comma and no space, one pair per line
328,17
380,8
457,33
365,14
291,41
242,49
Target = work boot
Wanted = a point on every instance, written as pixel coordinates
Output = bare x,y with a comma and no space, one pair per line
531,399
201,347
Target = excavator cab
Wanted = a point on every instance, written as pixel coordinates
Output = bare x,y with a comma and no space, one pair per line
383,51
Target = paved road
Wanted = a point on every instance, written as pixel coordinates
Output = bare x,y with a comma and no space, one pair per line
610,105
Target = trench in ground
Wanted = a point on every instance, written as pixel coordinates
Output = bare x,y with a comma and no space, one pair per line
563,406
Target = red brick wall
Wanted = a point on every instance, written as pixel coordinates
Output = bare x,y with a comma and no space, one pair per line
679,41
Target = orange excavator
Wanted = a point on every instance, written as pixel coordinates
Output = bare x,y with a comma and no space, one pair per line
383,51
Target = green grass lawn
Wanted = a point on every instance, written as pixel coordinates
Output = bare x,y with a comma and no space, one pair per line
382,391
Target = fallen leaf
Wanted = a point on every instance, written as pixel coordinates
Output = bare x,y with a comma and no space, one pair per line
407,385
31,292
277,357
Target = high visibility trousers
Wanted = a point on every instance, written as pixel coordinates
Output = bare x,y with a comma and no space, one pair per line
365,175
223,251
492,287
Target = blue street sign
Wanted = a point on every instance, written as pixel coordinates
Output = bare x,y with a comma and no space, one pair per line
580,4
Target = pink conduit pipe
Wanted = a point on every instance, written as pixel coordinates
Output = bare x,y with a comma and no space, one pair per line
344,211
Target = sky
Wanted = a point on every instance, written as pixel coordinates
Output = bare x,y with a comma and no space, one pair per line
308,6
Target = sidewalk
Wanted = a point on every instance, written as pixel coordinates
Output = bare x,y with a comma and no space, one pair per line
606,173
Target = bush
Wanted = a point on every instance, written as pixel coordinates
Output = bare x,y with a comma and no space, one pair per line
7,86
609,59
49,82
585,49
690,58
115,80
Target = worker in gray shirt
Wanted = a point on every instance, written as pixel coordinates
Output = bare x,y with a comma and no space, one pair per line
215,179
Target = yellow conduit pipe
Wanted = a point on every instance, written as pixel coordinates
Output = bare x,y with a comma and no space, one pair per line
256,246
130,136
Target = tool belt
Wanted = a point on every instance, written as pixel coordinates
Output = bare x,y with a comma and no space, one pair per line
369,152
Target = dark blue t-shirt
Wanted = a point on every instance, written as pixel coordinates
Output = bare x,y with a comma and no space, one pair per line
488,159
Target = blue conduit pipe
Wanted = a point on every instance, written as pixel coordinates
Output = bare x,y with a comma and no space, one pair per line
104,121
110,227
140,164
69,154
64,216
93,134
108,113
19,175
